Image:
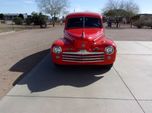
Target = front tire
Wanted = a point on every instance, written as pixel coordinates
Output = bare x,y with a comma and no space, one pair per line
58,65
109,66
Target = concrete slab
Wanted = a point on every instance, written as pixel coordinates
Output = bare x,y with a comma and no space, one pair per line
66,105
146,44
136,71
87,90
147,106
129,47
47,80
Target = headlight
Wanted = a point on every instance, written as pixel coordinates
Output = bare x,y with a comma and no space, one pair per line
57,49
109,50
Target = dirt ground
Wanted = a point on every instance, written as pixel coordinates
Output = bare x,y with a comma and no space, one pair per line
21,51
12,27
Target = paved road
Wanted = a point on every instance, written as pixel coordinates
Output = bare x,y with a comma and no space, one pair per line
17,46
130,34
124,88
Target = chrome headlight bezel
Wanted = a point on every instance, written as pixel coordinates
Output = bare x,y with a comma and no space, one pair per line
109,50
57,49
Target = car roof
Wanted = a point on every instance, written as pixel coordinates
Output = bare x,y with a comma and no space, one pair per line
84,14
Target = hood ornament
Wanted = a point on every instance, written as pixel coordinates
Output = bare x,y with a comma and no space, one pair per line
83,34
83,43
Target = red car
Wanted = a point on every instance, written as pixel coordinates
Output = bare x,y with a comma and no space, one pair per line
84,42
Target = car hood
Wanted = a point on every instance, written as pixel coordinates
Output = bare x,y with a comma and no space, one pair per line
84,38
89,34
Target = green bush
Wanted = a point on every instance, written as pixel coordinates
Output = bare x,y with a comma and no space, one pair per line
142,20
148,23
39,19
1,16
28,21
35,18
138,24
21,16
18,21
43,20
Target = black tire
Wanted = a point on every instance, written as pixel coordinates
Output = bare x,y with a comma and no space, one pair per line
58,66
109,66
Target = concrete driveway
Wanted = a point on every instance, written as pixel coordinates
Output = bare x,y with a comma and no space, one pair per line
126,88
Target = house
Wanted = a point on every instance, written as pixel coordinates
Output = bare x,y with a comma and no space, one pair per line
11,16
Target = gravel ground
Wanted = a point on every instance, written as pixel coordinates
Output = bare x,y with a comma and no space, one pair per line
21,51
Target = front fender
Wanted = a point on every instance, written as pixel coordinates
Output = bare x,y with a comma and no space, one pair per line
60,42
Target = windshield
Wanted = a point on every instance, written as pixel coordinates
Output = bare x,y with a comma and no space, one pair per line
87,22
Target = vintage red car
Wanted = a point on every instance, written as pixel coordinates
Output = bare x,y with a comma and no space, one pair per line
84,42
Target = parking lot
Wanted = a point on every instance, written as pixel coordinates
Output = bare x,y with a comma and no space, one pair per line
44,88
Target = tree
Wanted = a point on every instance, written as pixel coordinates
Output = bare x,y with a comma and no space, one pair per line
28,20
39,19
53,7
35,18
21,16
18,21
43,20
120,8
1,16
116,13
131,7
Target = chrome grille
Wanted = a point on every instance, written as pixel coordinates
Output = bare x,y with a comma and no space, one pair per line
83,56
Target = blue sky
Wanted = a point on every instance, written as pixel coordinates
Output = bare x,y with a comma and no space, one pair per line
28,6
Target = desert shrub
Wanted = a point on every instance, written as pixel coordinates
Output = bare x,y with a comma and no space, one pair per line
3,21
1,16
35,18
142,20
43,20
39,19
148,23
18,21
21,16
28,21
138,24
135,18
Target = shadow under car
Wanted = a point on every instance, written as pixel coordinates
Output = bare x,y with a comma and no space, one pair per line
46,75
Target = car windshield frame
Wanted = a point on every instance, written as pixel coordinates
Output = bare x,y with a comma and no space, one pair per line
84,22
